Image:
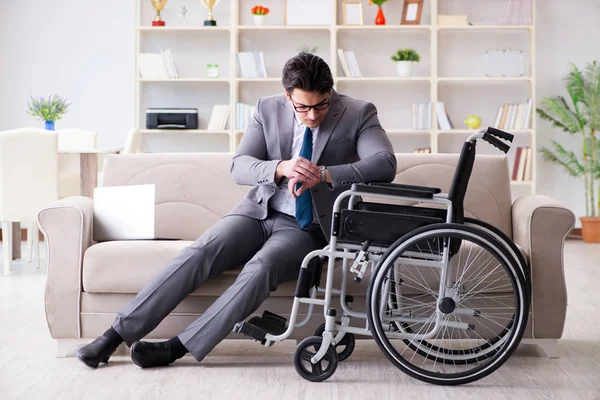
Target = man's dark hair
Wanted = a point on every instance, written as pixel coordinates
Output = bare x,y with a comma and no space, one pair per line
307,72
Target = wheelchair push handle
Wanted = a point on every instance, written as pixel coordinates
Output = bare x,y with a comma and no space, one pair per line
500,134
496,142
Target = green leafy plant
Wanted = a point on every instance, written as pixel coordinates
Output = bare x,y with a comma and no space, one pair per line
581,118
406,55
49,110
378,3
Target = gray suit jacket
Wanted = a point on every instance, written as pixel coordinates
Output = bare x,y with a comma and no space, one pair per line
351,143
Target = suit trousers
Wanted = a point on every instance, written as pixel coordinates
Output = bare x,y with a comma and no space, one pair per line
270,251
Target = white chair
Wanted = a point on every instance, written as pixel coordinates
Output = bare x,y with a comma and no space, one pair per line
133,142
28,182
68,164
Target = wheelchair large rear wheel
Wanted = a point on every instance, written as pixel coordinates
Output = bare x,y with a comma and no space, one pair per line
446,304
487,349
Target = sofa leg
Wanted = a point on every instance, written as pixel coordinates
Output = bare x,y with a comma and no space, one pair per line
64,347
549,346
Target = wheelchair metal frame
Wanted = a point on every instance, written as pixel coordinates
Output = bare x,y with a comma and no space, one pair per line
454,212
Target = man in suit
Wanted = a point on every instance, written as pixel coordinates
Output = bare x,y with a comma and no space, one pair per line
300,150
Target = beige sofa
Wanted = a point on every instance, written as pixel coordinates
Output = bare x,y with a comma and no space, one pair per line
89,282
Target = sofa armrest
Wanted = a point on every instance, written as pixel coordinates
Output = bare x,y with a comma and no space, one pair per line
67,227
540,225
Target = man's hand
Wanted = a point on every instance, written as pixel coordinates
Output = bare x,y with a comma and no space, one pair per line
300,168
305,186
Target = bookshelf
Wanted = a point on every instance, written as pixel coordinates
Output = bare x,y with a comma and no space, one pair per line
451,70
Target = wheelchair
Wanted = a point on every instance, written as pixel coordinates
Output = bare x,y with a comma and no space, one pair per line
448,297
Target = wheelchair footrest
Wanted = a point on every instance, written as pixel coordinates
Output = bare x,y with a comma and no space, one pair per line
258,327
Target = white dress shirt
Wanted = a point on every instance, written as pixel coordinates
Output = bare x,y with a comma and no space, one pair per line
282,200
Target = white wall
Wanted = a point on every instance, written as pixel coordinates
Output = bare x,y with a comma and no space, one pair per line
83,50
567,31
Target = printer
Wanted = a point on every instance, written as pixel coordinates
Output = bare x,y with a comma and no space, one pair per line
171,118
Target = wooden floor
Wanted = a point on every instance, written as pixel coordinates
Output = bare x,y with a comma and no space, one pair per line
246,370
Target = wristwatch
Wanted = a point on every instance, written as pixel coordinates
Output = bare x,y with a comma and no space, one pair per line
322,168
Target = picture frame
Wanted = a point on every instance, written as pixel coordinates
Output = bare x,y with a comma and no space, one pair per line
308,12
411,12
353,13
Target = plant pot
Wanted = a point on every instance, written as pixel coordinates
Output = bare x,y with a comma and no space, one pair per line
259,19
49,125
380,18
590,229
404,67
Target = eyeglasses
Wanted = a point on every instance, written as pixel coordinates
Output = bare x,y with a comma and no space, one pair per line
301,108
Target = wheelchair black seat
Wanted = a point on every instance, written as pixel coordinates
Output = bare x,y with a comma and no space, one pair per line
383,224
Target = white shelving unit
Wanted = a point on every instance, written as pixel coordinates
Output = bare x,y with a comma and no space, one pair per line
451,69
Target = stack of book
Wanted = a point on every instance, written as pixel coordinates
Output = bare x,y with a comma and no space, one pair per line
252,64
349,63
421,116
522,167
157,66
514,116
219,118
243,114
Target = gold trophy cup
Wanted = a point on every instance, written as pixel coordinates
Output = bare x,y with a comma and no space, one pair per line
209,4
158,6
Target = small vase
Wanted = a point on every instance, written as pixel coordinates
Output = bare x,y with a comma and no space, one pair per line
259,19
380,18
49,125
404,68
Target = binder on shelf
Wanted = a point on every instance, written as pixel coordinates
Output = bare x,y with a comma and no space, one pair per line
157,65
219,117
243,114
349,64
443,119
517,12
421,116
252,64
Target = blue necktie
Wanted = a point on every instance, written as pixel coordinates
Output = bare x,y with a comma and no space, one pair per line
304,201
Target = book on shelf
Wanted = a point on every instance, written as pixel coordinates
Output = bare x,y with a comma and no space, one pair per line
349,64
252,64
517,12
422,150
421,116
243,114
219,117
157,65
521,170
443,118
514,116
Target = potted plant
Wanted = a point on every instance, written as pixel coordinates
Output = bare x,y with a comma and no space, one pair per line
581,118
405,58
379,18
259,13
49,110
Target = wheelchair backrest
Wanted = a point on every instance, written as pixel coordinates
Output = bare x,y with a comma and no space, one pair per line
488,195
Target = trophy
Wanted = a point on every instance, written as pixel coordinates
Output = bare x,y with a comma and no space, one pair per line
209,4
158,6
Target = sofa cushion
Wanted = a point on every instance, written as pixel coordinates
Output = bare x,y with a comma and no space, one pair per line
126,266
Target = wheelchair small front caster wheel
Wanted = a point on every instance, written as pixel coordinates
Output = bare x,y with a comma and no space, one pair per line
345,347
314,372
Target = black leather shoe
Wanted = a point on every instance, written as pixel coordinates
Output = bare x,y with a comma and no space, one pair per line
149,354
96,352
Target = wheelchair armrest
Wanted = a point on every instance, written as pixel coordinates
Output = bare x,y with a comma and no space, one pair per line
396,189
